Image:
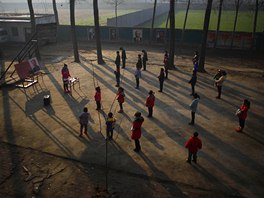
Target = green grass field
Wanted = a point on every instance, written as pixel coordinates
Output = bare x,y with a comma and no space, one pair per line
196,18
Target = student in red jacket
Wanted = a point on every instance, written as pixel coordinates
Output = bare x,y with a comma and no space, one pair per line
120,98
150,103
242,115
193,145
97,98
136,130
65,77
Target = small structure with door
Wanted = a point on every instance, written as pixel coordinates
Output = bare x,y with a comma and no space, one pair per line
18,27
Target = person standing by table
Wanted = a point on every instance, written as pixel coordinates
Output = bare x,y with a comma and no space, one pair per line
65,77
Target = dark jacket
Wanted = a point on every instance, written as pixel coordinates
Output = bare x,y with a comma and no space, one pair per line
117,60
193,80
161,76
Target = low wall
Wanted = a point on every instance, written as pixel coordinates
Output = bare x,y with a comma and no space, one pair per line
242,40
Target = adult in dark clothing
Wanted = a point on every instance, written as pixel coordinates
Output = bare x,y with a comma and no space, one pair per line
161,78
123,57
193,82
139,62
136,130
117,60
145,59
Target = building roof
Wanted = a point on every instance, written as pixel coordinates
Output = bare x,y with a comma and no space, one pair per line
25,18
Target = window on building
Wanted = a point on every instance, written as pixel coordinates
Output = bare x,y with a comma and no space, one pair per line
14,31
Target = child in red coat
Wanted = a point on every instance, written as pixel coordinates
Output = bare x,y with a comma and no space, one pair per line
65,77
242,115
150,103
136,130
193,145
120,98
97,98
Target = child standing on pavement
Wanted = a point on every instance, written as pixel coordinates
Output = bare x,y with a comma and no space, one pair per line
110,125
193,107
161,78
120,98
242,115
137,76
84,121
97,98
193,145
145,59
150,103
193,81
65,77
136,130
166,64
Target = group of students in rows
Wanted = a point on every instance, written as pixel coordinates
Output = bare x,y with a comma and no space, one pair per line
141,63
110,120
194,143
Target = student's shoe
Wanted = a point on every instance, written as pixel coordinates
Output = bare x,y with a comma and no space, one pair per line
191,123
217,97
120,111
188,161
136,150
239,130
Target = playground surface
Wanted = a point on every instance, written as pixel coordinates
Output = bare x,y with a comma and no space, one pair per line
42,154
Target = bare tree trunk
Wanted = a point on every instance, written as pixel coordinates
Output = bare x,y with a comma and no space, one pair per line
33,28
32,17
237,2
205,32
116,13
55,11
255,24
73,32
185,21
172,34
97,33
153,20
167,21
218,22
